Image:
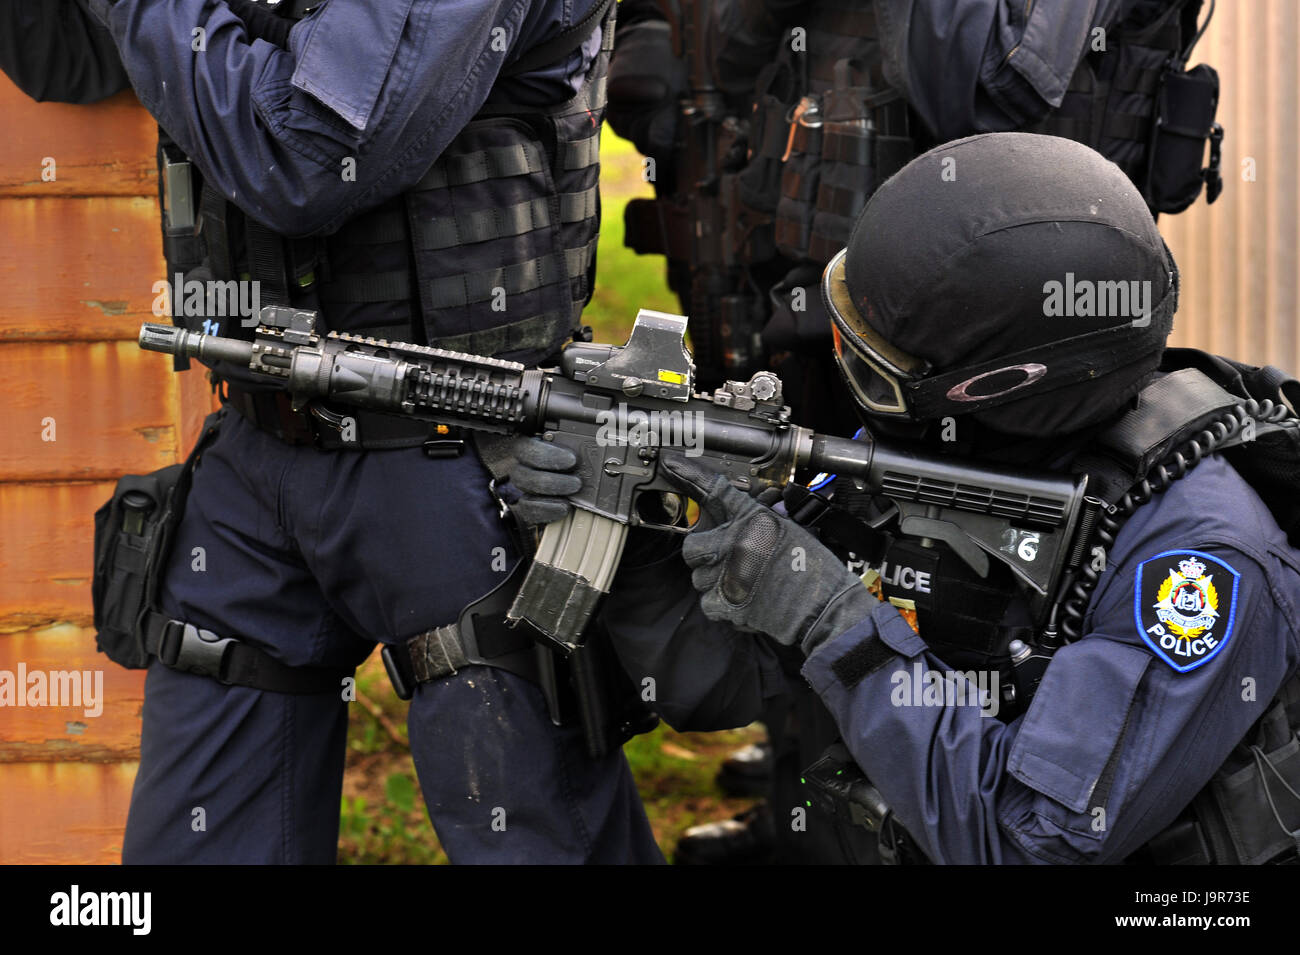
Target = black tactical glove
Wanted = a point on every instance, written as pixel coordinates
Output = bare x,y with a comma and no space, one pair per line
541,474
760,571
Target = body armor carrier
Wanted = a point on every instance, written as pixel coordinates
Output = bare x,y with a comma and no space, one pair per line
840,131
508,213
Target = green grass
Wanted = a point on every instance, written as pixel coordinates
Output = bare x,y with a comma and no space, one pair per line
625,282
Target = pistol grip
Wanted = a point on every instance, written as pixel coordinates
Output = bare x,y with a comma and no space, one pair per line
573,568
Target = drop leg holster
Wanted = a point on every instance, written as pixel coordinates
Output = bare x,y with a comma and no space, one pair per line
583,687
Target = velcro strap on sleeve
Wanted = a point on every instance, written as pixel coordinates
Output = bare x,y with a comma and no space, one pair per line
864,659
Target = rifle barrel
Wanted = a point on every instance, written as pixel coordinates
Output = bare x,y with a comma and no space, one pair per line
208,348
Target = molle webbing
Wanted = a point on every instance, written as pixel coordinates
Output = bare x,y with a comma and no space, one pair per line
1111,101
504,229
847,134
473,287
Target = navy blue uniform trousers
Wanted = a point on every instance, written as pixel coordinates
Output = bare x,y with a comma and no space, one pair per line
315,556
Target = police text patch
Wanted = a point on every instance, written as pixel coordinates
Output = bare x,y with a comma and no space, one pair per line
1184,602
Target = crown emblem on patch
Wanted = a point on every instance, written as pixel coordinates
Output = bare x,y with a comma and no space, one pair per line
1185,615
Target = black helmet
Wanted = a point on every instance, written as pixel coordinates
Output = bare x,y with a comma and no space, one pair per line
1016,277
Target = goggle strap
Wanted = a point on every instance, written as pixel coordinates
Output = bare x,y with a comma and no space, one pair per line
1062,364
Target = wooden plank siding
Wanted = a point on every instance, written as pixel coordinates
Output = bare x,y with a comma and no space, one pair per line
1240,258
80,405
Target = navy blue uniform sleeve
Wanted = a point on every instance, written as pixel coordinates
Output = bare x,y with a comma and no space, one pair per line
1128,724
382,84
55,50
977,66
706,676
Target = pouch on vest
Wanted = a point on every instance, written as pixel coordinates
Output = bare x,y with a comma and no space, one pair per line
1185,112
1251,812
133,535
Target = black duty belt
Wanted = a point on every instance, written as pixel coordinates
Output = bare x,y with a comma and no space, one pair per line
320,426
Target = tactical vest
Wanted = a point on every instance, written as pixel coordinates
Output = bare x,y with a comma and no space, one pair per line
827,131
824,131
1249,811
1131,100
491,252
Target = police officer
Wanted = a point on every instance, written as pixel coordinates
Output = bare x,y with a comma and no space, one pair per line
424,172
791,114
1179,661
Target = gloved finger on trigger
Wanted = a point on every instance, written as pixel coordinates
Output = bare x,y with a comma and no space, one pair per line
710,490
702,548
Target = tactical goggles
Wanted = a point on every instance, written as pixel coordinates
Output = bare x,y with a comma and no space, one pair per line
874,370
887,381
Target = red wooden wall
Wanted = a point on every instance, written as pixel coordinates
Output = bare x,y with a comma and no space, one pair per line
79,255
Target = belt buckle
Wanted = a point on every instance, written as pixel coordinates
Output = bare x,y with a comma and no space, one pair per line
195,650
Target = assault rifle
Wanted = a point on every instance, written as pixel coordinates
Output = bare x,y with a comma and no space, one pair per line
618,408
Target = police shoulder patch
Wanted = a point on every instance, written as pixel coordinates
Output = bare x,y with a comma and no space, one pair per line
1185,602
